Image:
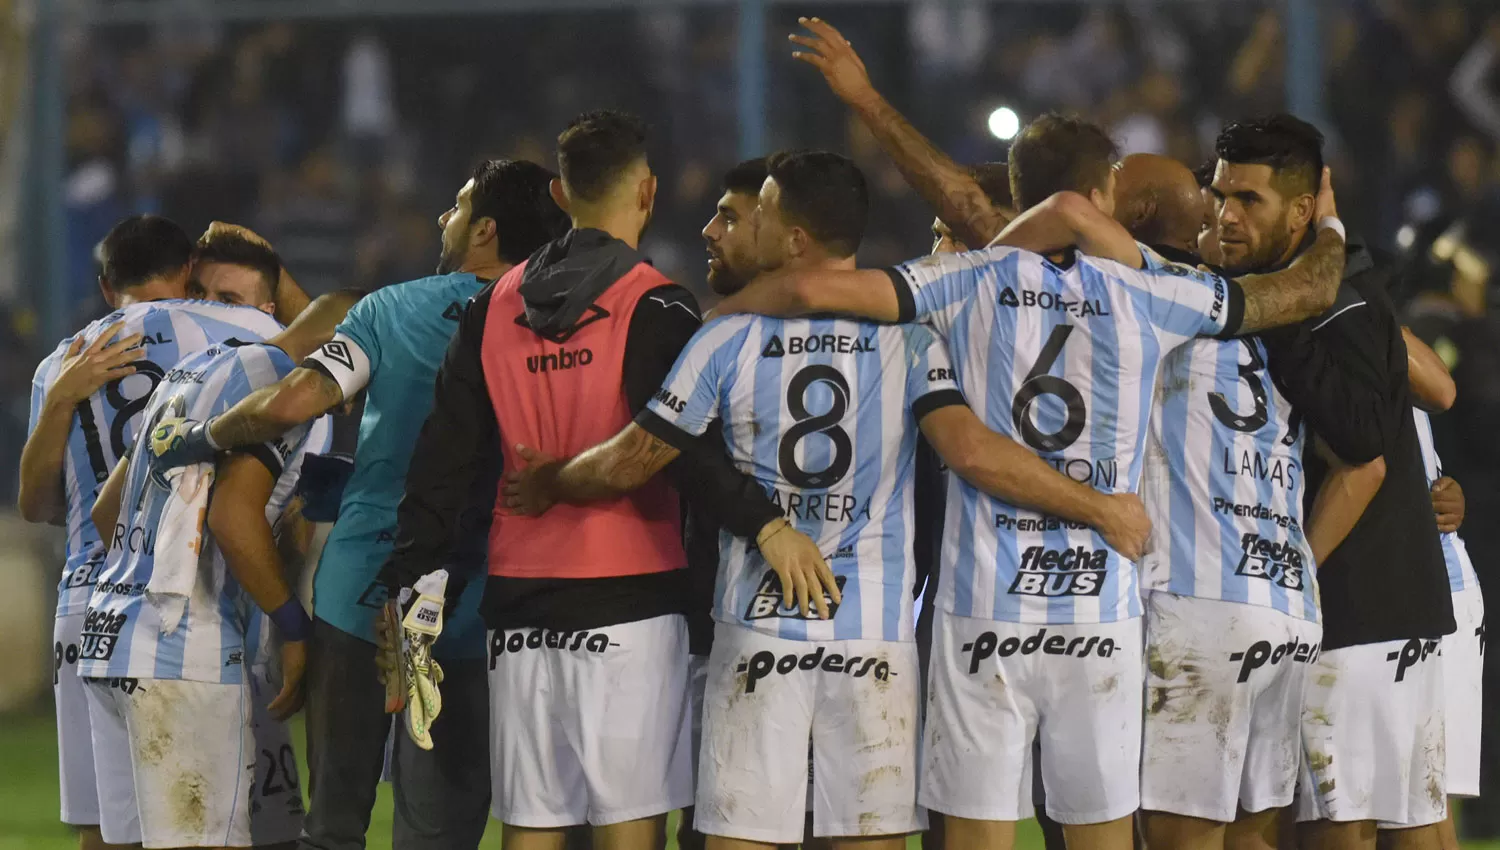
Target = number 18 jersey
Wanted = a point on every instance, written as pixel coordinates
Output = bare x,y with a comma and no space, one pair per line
1223,482
106,423
1063,360
824,413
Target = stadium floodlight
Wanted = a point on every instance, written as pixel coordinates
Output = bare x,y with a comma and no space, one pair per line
1004,123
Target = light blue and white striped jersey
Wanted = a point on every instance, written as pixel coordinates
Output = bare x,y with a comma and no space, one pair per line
1461,573
1223,482
105,424
1065,362
824,413
122,630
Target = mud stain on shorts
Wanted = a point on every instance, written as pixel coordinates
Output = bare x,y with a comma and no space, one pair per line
869,823
883,774
189,810
1176,690
152,725
1319,761
1108,686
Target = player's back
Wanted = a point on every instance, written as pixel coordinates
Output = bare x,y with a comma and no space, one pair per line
123,633
1063,359
821,411
1223,482
107,422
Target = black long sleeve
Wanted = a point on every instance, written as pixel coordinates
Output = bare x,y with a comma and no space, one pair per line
455,465
1336,371
663,322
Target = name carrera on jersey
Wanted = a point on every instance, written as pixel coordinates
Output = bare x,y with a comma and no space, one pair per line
560,361
1260,512
825,507
1277,470
1067,572
502,642
819,343
100,632
1261,653
1043,300
767,602
989,645
764,663
1281,563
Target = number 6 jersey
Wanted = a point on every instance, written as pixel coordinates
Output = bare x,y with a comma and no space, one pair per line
824,413
1063,360
105,424
1223,483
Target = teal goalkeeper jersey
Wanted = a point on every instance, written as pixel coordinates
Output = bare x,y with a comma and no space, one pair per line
390,345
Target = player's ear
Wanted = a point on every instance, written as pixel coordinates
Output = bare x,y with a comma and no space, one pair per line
1301,213
559,196
646,194
269,308
483,231
797,241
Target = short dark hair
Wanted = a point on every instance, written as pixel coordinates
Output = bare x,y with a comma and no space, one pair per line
142,248
517,196
1292,147
747,177
595,148
825,194
994,179
1058,153
236,250
1205,173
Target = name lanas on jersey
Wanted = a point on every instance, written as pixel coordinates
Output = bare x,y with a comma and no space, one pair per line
1043,300
1276,470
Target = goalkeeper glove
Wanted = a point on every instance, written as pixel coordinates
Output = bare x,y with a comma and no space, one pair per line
410,673
181,442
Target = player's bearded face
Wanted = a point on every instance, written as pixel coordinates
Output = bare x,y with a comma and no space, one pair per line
730,239
1254,219
455,226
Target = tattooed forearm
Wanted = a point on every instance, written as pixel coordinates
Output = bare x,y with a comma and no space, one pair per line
615,468
271,411
1302,290
944,184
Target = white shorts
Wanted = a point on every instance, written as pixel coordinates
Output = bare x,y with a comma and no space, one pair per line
78,786
590,726
192,764
1372,729
996,687
1224,686
1463,688
856,700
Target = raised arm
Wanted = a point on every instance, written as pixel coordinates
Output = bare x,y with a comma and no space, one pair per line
1004,469
1432,386
865,294
944,184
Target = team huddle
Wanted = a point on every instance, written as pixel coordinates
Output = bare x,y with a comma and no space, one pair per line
1149,446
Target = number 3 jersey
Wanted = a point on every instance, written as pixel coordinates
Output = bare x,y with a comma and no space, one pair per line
1223,483
124,634
108,421
1063,360
824,413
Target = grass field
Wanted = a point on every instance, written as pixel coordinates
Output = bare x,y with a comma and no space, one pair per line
28,796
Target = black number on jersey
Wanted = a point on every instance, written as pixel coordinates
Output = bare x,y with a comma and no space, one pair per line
826,424
1038,383
125,409
286,762
1250,374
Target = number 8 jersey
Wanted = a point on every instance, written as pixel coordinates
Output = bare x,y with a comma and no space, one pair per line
1223,483
105,424
824,413
1063,360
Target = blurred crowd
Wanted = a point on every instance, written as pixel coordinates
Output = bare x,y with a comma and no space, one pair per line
342,141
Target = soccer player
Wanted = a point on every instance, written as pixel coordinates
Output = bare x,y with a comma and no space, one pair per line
730,234
87,401
1232,608
1372,723
389,347
172,632
1022,595
826,412
586,604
